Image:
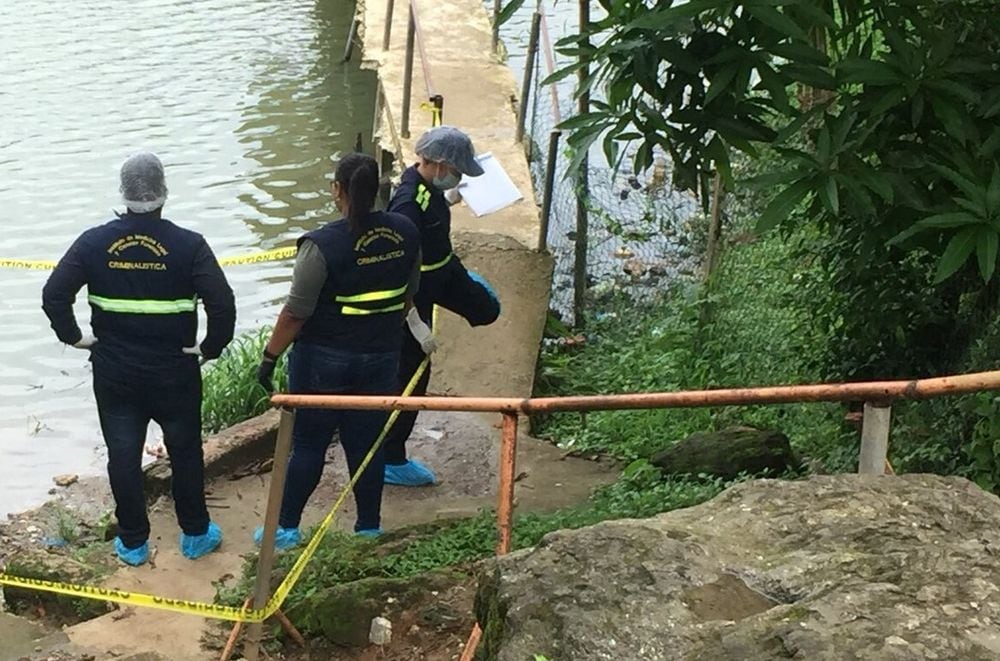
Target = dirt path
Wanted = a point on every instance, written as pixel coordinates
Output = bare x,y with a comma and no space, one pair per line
463,449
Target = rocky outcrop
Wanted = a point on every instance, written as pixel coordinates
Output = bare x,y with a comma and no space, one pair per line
833,567
727,453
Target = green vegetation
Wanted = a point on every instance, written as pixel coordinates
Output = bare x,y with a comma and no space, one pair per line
869,130
230,390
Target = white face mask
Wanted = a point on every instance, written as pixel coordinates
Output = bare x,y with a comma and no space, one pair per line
447,182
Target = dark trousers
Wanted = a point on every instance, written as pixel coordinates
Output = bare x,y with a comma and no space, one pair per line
125,407
456,292
316,369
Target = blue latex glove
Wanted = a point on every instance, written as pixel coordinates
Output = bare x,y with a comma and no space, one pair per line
475,277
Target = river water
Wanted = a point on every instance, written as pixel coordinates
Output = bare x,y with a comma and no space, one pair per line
247,103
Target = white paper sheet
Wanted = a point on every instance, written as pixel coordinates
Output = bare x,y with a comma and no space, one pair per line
491,191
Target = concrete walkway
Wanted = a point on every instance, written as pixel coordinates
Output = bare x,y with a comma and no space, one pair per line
479,97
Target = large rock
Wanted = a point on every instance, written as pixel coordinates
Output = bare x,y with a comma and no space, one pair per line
833,567
727,453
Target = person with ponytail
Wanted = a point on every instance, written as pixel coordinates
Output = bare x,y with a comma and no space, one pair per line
353,283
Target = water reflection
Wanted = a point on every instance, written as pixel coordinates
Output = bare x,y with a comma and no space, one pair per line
246,102
309,111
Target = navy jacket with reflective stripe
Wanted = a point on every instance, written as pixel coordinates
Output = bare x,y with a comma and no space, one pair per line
143,275
360,306
426,206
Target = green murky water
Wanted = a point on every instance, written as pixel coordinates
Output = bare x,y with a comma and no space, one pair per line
246,101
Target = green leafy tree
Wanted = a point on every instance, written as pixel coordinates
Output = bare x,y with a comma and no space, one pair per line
884,115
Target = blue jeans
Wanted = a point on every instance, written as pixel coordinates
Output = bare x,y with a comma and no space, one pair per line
125,407
317,369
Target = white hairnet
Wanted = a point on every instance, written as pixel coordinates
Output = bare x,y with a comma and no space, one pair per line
143,185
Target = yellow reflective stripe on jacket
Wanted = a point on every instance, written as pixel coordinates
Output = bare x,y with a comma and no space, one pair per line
423,197
372,296
424,268
143,306
347,309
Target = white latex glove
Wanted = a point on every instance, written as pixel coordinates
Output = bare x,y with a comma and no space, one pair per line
453,196
192,351
86,342
421,331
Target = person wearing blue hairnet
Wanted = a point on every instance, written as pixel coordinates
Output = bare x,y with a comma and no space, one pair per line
144,276
424,195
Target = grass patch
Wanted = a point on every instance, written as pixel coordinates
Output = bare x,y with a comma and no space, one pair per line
759,334
230,390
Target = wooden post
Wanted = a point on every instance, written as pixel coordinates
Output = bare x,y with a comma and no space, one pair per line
495,38
874,438
411,29
582,221
265,562
714,229
548,190
529,70
387,33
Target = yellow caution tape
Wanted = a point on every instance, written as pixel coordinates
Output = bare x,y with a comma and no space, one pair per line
276,255
212,611
218,611
434,111
34,265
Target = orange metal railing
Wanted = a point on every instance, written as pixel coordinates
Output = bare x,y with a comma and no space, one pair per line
874,436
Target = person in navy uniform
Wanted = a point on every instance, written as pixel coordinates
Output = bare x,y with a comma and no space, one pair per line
353,282
144,276
446,155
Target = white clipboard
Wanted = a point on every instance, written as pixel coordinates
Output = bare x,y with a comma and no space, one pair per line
491,191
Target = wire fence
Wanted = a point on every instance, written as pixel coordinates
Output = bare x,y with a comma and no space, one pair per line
642,233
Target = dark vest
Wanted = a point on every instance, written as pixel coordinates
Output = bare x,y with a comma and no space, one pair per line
141,293
361,305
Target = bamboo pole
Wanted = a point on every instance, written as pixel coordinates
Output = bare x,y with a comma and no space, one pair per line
265,561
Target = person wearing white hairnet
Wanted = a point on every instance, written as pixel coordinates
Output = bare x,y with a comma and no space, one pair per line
425,194
144,276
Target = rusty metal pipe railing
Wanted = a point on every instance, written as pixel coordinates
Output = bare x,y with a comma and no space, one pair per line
877,391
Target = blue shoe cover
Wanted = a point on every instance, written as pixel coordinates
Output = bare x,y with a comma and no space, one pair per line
485,284
368,532
411,474
196,546
135,557
284,538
